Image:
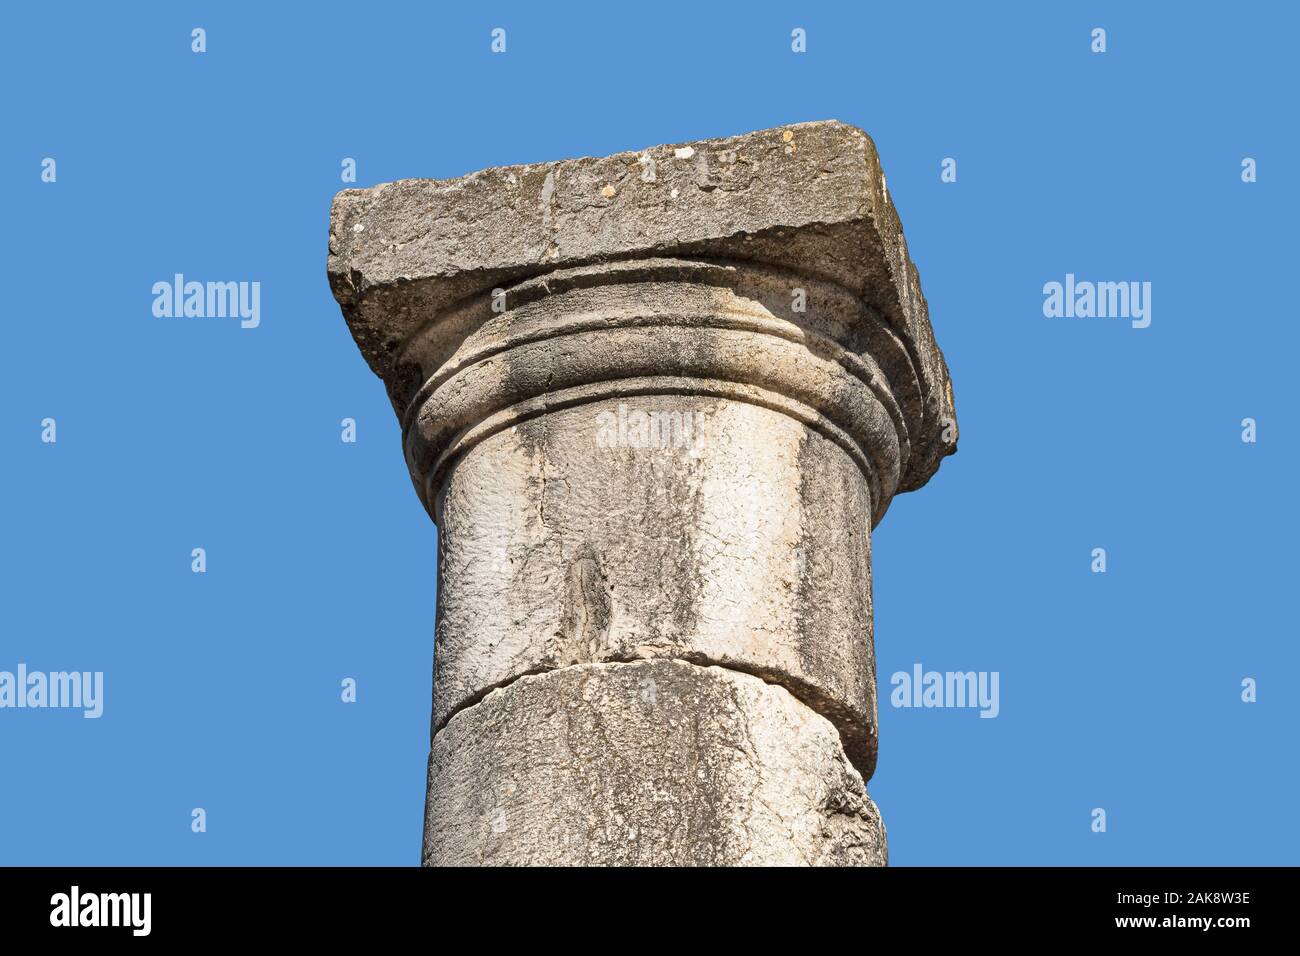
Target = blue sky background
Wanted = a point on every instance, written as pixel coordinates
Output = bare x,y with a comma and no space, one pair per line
1119,691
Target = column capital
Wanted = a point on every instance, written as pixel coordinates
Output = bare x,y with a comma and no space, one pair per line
764,216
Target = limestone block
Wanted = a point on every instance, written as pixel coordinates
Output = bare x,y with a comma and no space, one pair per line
646,763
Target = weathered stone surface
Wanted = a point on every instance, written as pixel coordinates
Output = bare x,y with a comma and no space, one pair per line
648,763
749,548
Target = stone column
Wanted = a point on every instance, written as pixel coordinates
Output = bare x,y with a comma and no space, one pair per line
655,403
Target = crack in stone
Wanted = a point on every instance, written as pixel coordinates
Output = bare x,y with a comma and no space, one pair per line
695,660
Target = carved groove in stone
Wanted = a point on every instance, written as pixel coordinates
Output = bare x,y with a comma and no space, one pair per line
617,331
